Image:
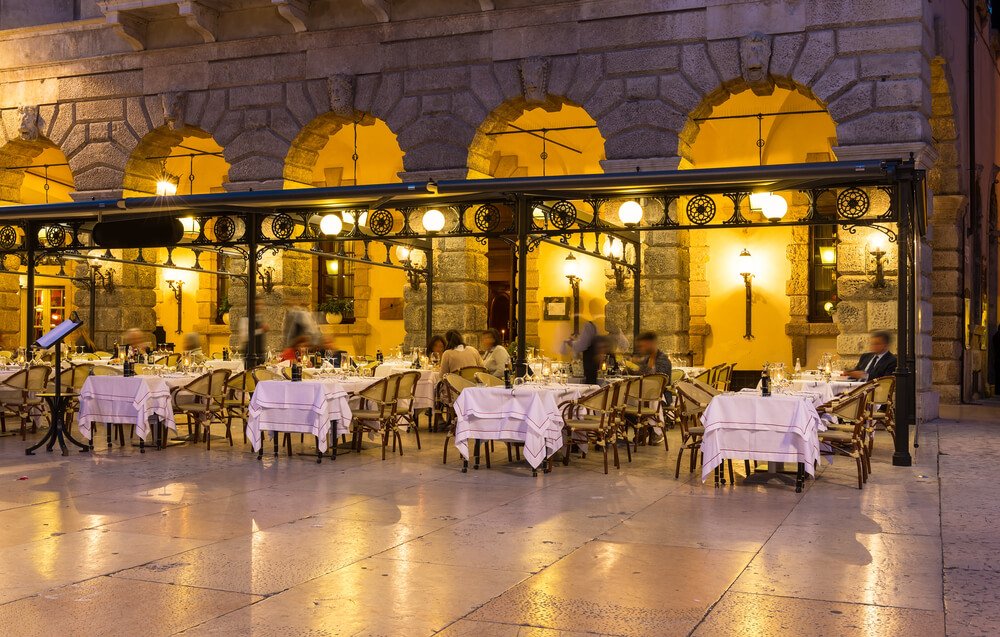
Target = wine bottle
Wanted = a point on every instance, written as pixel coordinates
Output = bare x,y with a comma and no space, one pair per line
765,382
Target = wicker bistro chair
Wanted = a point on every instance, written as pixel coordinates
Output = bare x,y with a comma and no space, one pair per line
20,399
168,360
596,418
882,408
203,401
447,392
239,388
469,373
691,404
260,374
847,436
104,370
488,380
403,411
378,413
645,407
724,377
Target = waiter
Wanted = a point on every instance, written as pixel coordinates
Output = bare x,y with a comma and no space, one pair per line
878,362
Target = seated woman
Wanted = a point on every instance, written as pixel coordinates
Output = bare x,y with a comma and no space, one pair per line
457,355
435,347
495,356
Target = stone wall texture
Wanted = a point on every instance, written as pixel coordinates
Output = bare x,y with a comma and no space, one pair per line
268,82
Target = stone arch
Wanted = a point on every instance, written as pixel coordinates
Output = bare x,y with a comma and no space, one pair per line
484,143
306,149
39,162
146,164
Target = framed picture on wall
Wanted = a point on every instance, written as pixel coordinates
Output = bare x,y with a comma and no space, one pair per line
556,308
390,308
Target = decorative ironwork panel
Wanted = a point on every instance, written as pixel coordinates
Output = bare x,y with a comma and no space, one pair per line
853,203
380,222
562,214
282,226
701,209
224,229
8,237
487,218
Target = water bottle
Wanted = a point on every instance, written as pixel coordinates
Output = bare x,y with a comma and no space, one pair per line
798,367
296,372
765,382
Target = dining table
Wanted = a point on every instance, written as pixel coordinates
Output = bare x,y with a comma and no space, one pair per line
780,428
528,414
142,400
315,406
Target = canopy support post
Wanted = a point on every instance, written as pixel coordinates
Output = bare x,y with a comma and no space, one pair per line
429,291
523,216
905,387
29,290
636,293
252,355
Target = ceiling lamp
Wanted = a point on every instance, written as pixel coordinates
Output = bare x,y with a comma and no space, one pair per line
757,200
331,225
166,186
433,220
775,208
630,212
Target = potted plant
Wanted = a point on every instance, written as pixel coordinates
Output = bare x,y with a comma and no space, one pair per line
336,309
222,312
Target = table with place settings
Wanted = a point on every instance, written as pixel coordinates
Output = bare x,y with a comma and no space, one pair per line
783,427
143,401
308,406
527,414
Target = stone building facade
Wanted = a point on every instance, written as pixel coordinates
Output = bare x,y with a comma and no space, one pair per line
268,78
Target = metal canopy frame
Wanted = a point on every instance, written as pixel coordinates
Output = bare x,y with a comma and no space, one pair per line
252,223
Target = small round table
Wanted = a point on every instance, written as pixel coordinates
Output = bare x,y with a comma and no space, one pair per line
57,428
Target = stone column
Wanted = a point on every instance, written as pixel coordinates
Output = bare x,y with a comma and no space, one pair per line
946,295
10,312
699,329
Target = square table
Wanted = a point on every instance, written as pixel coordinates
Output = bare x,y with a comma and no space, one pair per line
527,414
133,400
775,429
307,406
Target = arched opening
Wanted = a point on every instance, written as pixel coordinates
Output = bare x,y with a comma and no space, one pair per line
517,140
34,172
334,151
784,127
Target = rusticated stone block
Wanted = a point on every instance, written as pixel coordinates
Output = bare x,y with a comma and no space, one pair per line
881,315
851,316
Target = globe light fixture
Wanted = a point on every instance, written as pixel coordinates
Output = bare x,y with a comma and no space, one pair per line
571,269
757,200
433,220
331,225
774,208
630,212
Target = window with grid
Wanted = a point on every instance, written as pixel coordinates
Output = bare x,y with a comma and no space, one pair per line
822,272
335,275
221,288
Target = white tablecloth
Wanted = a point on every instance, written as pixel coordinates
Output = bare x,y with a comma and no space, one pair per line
234,366
528,414
307,407
125,401
747,426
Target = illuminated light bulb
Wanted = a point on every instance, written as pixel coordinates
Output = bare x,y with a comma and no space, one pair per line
617,248
775,207
165,188
189,224
402,253
331,225
757,200
828,255
606,247
333,267
433,220
746,263
630,212
571,269
538,214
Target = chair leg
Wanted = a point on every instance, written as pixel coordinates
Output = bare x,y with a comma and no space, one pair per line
398,436
628,449
614,449
732,480
109,427
860,479
385,440
487,446
510,456
416,430
605,447
746,467
208,435
444,459
680,455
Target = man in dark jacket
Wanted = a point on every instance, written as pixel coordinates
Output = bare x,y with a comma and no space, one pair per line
878,362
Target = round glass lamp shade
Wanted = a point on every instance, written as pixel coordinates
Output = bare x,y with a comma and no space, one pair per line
746,263
571,269
330,225
402,253
774,207
417,258
630,212
433,220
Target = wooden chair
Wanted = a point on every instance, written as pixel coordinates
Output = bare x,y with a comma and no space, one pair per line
882,408
239,388
644,408
705,376
20,400
447,393
100,354
724,377
594,418
377,413
488,380
203,401
104,370
847,436
87,356
169,360
469,373
691,404
403,410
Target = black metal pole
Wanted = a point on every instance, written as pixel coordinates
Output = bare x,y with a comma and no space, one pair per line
523,214
93,305
29,290
636,294
905,388
251,354
429,317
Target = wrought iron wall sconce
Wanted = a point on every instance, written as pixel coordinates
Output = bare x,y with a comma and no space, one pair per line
413,261
266,278
877,252
177,287
572,273
746,271
622,262
106,279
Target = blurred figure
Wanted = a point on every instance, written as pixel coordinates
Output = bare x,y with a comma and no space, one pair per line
259,335
457,355
496,358
299,325
649,359
192,347
436,346
136,339
878,361
591,348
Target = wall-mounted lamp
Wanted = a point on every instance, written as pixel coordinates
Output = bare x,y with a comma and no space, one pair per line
630,213
572,273
747,271
877,252
166,185
621,257
105,278
177,287
433,220
828,255
413,261
265,276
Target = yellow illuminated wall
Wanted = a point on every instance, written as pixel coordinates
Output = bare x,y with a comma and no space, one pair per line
733,142
552,282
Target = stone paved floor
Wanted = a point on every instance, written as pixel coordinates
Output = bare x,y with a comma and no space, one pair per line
191,542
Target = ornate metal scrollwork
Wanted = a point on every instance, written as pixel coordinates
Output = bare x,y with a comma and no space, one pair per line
55,236
853,203
224,229
562,214
282,226
700,210
667,200
380,222
8,237
737,218
487,218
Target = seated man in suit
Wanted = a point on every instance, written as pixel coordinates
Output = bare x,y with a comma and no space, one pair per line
878,362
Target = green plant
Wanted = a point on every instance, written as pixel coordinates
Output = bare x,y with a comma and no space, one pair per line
344,307
222,309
